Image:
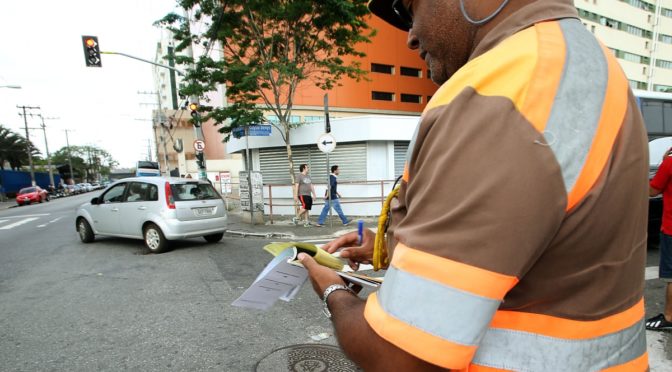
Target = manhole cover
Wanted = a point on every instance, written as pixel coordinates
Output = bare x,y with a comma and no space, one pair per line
306,358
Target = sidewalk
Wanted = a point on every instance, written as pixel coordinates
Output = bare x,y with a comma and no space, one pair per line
7,204
283,228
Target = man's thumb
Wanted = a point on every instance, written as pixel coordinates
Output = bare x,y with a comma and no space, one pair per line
307,261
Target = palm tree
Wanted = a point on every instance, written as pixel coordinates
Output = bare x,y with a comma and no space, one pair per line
13,149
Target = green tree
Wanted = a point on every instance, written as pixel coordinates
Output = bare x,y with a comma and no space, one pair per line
269,49
90,160
13,149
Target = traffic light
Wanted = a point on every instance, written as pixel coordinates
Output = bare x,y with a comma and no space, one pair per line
193,107
199,160
91,51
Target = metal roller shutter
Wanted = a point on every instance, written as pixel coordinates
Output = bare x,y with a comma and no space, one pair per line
400,150
350,158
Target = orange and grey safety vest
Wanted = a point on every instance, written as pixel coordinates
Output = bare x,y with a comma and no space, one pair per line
520,232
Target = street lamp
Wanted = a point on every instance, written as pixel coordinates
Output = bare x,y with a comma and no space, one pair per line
11,86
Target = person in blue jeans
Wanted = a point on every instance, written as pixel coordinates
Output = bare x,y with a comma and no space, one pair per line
335,202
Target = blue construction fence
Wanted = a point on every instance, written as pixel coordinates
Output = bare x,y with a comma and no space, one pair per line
12,181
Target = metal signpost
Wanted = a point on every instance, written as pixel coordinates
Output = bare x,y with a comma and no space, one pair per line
327,143
327,129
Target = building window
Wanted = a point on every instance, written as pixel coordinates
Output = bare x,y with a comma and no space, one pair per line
662,88
410,71
666,12
383,69
382,96
429,98
309,119
411,98
667,39
429,74
664,64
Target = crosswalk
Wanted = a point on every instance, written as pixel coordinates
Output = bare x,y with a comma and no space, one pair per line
11,222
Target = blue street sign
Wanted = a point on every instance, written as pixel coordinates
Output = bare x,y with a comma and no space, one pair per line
254,130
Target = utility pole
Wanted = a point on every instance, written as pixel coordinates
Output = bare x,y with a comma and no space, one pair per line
67,142
28,149
46,145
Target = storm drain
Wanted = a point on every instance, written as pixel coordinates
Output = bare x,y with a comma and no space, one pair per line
306,358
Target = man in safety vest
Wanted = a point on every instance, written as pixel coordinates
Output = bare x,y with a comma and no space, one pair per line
518,239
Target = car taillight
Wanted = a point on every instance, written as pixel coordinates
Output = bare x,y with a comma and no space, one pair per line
170,201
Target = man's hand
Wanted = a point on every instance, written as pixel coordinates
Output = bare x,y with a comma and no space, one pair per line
321,277
352,251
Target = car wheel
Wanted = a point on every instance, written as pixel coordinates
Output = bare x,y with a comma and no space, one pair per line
213,238
155,241
85,231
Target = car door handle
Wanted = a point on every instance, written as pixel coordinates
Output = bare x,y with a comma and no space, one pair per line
142,208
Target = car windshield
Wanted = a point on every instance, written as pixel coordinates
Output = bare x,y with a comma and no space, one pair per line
27,190
193,191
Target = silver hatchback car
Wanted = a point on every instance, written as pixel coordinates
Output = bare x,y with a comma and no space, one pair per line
155,209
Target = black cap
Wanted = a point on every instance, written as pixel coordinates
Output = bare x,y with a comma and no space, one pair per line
383,9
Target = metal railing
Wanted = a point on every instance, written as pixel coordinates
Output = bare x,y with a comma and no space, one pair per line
233,198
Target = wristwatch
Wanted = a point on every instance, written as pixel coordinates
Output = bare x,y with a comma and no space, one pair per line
331,289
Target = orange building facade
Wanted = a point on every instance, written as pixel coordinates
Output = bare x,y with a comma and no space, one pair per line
397,83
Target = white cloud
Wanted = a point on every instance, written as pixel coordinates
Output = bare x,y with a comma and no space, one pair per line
40,49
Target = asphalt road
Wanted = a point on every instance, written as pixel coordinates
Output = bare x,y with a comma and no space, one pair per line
68,306
110,306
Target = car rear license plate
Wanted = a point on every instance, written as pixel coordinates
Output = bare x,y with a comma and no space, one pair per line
200,212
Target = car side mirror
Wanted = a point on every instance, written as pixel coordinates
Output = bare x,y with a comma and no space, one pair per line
94,201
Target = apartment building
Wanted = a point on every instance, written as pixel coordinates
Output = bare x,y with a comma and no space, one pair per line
639,32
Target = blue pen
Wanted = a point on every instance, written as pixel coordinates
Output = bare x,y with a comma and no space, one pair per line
360,232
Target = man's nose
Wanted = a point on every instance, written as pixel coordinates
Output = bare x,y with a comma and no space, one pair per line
412,42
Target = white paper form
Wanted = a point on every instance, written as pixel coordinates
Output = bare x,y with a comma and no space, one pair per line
278,280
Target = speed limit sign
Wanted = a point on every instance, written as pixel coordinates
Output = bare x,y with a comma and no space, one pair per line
199,145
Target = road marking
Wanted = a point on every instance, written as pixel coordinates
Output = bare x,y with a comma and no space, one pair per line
41,225
28,215
3,221
651,273
658,360
318,241
18,223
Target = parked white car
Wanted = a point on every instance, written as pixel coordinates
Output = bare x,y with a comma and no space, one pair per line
155,209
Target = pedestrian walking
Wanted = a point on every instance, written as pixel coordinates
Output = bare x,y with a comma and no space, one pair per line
516,237
662,184
304,191
334,201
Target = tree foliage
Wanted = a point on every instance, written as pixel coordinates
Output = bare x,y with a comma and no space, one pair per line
13,149
269,49
88,159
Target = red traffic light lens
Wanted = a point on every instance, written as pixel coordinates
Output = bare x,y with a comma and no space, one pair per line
90,42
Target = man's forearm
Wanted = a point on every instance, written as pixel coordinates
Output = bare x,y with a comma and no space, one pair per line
362,344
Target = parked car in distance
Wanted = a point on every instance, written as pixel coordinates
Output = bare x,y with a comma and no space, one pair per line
155,209
33,194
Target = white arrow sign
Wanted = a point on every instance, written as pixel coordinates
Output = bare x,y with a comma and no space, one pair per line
326,143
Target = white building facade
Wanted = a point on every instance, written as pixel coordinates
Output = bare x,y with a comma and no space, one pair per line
370,152
639,32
